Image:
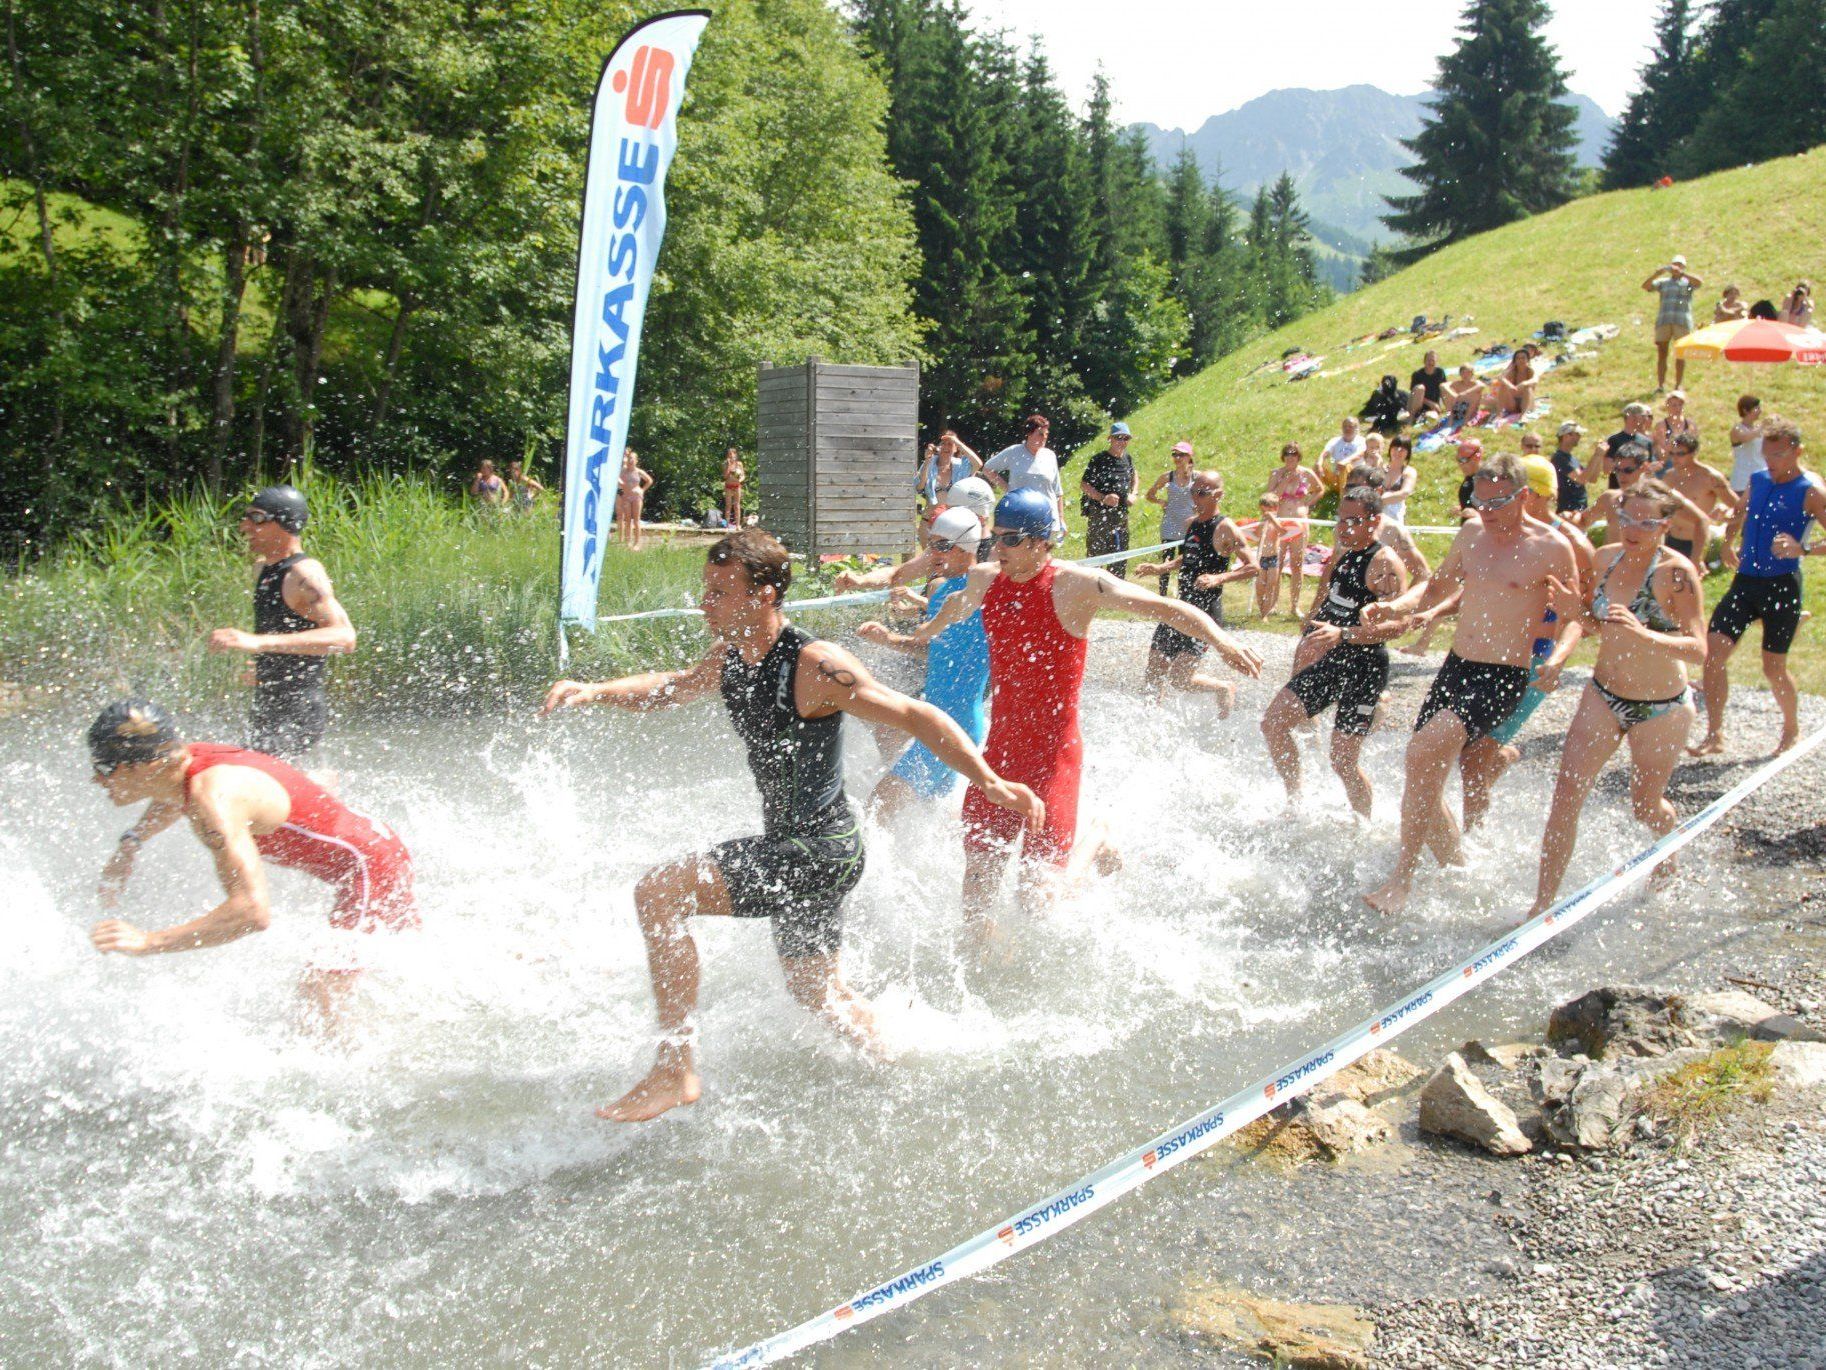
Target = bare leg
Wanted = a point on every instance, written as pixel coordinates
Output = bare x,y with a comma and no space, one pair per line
664,899
892,796
1661,365
1590,742
1183,673
1284,712
1480,766
1787,698
1717,686
984,869
1155,675
1680,372
1654,748
1293,558
1346,760
816,983
1425,820
1267,591
323,1001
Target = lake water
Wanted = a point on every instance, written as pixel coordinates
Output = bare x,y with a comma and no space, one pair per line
186,1175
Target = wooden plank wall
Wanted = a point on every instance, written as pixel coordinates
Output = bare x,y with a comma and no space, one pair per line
838,450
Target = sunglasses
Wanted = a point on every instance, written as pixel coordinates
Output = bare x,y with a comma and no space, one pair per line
1494,501
942,545
1204,491
1011,539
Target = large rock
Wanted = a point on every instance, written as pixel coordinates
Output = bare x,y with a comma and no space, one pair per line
1503,1055
1607,1023
1339,1124
1376,1077
1308,1336
1583,1104
1728,1014
1456,1104
1800,1064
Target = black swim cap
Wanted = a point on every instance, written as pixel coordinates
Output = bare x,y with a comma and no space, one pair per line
130,731
285,503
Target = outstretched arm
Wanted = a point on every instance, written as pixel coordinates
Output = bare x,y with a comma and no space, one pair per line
648,690
1120,596
958,607
884,577
839,682
220,822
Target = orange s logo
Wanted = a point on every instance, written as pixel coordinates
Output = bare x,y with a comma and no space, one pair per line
649,86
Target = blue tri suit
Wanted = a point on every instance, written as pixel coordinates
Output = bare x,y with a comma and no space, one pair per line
957,681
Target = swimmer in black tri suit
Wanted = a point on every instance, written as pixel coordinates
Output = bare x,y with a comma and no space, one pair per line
1353,670
786,693
1204,567
298,625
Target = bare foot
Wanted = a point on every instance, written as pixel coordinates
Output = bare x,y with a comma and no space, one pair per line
1226,697
1412,649
1389,899
1663,875
1107,861
1712,744
1786,744
672,1083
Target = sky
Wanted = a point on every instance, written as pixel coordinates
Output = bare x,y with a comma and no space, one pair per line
1177,62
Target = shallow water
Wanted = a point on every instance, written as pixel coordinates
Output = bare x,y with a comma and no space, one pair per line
185,1174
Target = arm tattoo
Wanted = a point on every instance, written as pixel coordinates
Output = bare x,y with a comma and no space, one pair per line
847,679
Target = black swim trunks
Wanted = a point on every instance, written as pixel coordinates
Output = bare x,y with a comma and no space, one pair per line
1351,675
799,882
287,723
1482,694
1776,600
1684,546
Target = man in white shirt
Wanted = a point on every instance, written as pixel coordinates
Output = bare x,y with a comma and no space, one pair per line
1340,454
1031,465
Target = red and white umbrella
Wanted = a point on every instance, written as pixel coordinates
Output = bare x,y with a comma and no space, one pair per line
1755,340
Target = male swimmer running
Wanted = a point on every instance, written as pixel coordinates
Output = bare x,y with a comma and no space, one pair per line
298,624
244,806
1210,541
957,667
1037,614
786,693
1506,569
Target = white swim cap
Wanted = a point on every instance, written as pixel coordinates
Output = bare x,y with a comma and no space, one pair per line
972,493
959,527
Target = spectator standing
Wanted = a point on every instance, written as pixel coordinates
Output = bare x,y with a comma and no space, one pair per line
1297,486
1636,420
1673,425
1747,443
630,499
1173,491
1031,465
1110,485
735,476
1340,454
1427,387
1675,285
1797,308
487,488
1570,495
948,461
524,489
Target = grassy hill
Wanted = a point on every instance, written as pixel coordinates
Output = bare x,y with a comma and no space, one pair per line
1757,228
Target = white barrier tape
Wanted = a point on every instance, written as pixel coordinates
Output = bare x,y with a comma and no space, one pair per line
1073,1204
865,596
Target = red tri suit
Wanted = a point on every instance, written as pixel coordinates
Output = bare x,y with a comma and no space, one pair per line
1036,670
368,866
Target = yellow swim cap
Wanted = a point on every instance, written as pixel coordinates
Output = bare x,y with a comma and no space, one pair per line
1542,479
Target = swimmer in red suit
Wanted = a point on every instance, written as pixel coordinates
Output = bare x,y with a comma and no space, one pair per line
1037,614
246,807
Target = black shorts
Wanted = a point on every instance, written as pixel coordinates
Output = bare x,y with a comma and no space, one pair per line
1481,694
287,723
1684,546
1776,600
1170,642
799,882
1351,675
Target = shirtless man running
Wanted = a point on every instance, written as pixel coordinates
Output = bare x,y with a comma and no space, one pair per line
247,808
1705,488
1506,570
786,693
1037,613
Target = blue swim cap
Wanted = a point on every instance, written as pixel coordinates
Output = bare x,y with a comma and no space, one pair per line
1025,511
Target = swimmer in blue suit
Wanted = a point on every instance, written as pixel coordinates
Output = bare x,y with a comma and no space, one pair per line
957,668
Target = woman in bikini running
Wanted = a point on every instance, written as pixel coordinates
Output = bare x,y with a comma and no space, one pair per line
1649,614
1297,486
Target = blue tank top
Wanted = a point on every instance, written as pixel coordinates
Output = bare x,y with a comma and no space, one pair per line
1773,509
957,665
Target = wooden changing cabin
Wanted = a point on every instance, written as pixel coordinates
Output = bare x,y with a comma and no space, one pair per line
837,448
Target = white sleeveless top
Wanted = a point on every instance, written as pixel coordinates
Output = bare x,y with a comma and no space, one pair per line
1746,461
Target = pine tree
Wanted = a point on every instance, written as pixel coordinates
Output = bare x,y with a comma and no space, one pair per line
1497,143
1775,104
1664,110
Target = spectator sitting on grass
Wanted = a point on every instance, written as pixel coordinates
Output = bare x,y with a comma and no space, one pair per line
1427,387
1464,396
1341,453
1797,308
1513,391
1730,306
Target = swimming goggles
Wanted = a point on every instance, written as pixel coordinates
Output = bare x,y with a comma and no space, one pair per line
1494,501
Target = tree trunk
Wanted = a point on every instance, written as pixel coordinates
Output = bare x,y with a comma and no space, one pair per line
47,243
307,319
234,285
395,345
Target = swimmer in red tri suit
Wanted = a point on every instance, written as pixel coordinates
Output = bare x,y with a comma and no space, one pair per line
245,807
1037,614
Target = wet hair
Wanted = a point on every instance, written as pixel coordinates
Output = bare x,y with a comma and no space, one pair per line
1687,442
1036,423
1656,492
762,557
1635,450
1745,403
1366,499
1504,466
130,732
1778,427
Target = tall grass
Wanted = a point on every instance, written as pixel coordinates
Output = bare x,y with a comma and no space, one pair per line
453,605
